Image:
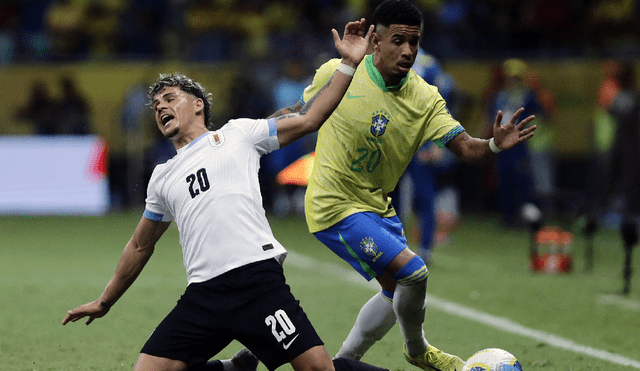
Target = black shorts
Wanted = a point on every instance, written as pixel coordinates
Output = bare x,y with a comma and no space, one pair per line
251,304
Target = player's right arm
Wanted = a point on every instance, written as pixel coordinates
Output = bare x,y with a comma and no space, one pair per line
134,257
287,110
312,115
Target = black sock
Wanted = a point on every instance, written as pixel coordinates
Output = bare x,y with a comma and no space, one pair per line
207,366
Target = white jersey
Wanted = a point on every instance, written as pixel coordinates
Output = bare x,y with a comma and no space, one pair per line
211,189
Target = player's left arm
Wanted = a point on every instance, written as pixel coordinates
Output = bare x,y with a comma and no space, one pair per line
470,149
134,257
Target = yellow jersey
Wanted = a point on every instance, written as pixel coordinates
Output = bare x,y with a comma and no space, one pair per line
365,146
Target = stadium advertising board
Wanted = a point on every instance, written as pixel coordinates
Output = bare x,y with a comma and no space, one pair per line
53,175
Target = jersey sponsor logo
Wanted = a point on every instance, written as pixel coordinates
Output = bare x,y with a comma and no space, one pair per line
370,248
379,124
349,96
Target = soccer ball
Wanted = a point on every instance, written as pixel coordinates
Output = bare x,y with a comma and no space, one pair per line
492,359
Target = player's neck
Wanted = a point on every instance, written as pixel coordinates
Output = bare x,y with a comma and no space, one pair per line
183,140
382,79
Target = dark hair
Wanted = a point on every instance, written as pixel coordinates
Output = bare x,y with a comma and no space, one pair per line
397,12
186,85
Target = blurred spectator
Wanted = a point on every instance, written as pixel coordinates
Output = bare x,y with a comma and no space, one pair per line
134,107
287,91
434,198
39,110
604,132
143,25
101,27
212,30
603,125
8,26
69,115
251,98
72,111
614,198
625,152
612,26
542,145
34,42
515,181
220,30
616,178
546,24
65,21
625,168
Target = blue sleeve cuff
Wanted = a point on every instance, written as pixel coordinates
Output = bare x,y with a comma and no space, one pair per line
442,142
153,216
273,128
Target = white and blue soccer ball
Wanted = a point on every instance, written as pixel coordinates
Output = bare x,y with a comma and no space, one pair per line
492,359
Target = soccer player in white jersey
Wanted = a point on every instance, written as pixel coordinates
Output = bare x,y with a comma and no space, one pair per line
236,286
362,150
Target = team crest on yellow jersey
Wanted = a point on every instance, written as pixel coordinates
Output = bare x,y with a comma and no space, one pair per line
370,248
378,124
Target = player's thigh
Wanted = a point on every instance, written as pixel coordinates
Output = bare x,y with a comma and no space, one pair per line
275,327
191,332
368,242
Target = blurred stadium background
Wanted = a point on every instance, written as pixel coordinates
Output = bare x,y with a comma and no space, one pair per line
82,66
74,77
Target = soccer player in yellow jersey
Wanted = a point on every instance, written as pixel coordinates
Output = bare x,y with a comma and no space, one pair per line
362,150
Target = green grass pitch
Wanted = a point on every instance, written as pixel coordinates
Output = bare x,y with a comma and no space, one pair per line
482,295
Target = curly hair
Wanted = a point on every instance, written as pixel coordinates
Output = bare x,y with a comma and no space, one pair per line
185,84
397,12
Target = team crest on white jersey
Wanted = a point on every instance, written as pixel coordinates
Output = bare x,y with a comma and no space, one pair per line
379,124
370,248
216,138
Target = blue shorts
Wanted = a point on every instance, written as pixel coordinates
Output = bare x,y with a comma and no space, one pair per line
366,241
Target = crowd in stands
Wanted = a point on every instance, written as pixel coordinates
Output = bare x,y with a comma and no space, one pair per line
289,38
219,30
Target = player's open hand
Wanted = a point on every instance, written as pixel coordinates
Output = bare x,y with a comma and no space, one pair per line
509,135
354,43
92,310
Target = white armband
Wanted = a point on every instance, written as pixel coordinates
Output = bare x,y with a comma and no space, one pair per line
346,69
493,147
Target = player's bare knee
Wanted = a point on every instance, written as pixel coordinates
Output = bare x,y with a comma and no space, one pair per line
148,362
314,359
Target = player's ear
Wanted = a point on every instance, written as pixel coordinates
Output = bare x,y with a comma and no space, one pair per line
375,42
199,105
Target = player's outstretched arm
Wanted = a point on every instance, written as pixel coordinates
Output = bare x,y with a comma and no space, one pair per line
133,259
287,110
352,47
470,149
